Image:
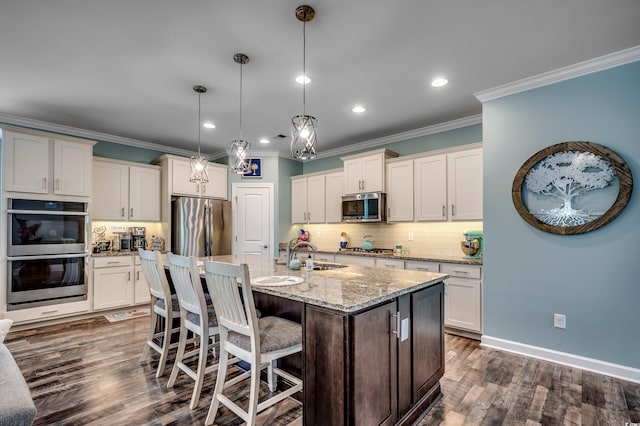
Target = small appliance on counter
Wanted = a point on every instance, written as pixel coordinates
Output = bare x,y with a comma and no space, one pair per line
126,241
472,245
138,237
157,243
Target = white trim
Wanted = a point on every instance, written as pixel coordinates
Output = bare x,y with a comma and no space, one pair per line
403,136
234,212
28,123
587,67
564,358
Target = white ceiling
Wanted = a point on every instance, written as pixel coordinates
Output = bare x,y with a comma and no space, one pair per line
126,68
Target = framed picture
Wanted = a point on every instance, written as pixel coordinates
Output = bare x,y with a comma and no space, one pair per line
255,169
572,188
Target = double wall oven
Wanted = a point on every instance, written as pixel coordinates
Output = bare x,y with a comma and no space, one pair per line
47,252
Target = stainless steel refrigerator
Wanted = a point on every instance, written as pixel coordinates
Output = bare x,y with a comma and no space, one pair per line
200,226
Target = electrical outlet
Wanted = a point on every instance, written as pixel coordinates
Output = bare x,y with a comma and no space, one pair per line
410,236
318,234
559,321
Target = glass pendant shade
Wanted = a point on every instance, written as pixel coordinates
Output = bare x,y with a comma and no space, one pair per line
199,164
239,157
239,161
303,137
303,127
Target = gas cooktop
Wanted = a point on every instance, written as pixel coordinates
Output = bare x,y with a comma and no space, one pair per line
372,251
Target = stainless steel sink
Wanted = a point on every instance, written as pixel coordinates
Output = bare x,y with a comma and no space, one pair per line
325,266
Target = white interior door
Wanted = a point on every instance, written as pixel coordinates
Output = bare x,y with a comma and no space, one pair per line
253,218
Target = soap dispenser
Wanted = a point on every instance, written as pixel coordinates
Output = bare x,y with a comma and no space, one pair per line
309,263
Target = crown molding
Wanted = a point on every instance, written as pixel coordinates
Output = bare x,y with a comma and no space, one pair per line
31,124
583,68
403,136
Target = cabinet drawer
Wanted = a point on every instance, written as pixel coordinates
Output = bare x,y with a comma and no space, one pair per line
355,260
47,312
111,261
416,265
390,263
461,271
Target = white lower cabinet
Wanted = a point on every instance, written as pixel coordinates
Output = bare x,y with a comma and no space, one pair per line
118,282
463,296
387,263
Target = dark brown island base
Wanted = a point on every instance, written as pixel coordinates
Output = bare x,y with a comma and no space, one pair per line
373,350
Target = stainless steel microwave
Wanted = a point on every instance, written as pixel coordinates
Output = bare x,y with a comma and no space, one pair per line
367,207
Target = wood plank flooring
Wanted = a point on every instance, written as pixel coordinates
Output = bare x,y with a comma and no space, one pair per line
89,372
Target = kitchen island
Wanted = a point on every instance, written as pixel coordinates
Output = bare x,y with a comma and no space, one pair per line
373,339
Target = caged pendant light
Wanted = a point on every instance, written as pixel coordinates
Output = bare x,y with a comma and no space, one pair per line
199,163
240,148
303,127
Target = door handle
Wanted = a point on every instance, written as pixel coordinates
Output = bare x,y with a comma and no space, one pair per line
265,246
122,212
204,188
444,210
131,212
44,183
397,324
453,210
57,183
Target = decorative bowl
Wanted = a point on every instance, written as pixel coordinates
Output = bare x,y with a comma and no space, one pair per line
367,245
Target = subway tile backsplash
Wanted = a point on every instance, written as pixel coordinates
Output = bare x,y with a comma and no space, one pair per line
429,238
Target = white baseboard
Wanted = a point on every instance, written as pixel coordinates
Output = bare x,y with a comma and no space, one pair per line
589,364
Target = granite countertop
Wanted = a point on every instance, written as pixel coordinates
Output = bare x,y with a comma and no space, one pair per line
349,289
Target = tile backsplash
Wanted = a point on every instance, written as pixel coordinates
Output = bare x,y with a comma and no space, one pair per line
153,228
429,238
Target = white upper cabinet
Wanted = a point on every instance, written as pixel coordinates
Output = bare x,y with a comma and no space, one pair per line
449,186
464,176
431,188
123,191
308,199
334,186
180,171
400,191
365,172
41,164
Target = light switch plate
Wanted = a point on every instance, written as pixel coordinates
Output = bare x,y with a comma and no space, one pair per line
404,330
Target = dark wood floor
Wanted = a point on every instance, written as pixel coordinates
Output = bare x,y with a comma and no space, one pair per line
88,372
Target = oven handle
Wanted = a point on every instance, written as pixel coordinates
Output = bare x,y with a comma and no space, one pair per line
48,212
49,256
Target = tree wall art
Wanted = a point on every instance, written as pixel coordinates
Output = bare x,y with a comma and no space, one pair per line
572,187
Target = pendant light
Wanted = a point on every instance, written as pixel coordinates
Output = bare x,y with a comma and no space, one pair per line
303,127
198,163
240,147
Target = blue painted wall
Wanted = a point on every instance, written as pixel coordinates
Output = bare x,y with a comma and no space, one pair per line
529,275
451,138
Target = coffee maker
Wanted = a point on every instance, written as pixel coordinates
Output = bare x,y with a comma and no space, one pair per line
472,244
138,237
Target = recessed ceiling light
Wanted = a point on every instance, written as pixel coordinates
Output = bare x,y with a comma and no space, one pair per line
358,109
209,125
439,82
264,140
303,79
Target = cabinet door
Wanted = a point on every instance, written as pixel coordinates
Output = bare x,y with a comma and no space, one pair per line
375,366
431,188
315,199
110,191
386,263
334,187
112,287
27,163
141,288
373,173
400,191
144,194
299,201
353,173
462,304
180,173
465,184
427,339
72,168
217,186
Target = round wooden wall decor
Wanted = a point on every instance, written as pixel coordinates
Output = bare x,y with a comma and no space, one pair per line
572,188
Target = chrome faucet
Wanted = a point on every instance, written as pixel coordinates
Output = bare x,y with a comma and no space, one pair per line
291,249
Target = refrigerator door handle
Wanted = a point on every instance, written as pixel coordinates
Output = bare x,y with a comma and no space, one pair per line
207,229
